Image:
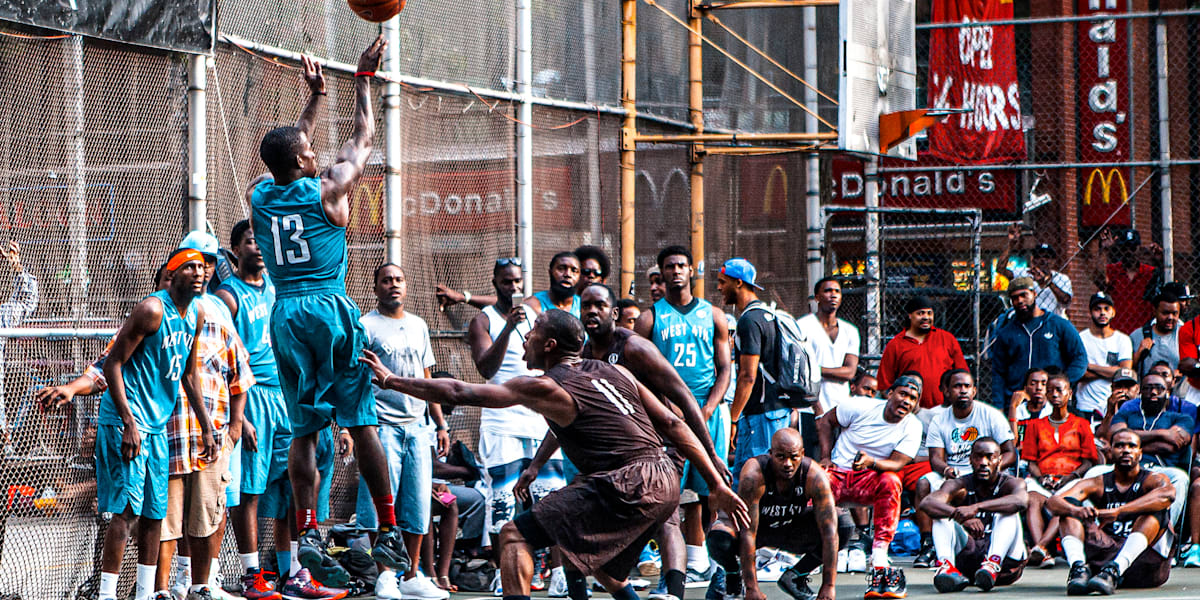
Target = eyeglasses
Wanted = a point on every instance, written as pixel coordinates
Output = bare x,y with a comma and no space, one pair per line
590,272
504,262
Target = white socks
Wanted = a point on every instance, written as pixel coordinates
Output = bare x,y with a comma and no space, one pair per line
145,581
213,571
108,586
944,539
295,567
183,571
697,558
1135,544
1073,548
879,557
1006,533
249,560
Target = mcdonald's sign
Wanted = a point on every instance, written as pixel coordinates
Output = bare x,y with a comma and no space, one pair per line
1105,194
767,184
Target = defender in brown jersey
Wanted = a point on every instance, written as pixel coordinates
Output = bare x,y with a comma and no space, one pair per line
608,425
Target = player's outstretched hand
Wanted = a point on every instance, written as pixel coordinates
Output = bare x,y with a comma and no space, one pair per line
724,499
380,372
312,75
54,396
827,593
521,488
372,57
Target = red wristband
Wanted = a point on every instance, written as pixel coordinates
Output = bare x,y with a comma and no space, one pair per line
365,74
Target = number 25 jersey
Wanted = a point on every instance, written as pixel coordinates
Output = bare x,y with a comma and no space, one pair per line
685,336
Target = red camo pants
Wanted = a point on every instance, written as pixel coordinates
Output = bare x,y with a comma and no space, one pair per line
881,491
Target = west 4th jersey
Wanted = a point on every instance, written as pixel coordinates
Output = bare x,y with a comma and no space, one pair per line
304,252
685,337
253,323
152,373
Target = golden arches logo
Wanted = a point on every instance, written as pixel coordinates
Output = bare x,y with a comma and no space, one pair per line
777,177
1106,182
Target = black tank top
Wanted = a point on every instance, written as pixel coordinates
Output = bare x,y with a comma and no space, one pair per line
615,353
779,509
611,428
976,494
1115,498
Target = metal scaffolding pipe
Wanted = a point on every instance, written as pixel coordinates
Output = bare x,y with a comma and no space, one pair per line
733,137
393,98
197,142
1164,155
524,135
727,4
696,116
628,142
874,281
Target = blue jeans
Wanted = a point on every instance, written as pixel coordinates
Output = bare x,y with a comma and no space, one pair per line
754,434
409,453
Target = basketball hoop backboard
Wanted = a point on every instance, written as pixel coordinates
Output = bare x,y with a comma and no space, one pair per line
878,75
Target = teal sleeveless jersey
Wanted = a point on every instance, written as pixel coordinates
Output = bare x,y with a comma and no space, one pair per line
305,253
153,371
686,339
253,323
543,298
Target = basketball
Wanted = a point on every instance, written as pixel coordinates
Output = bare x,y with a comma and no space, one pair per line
376,11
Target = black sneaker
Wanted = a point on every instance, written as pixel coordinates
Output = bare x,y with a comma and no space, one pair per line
312,555
895,585
875,577
1077,580
1106,581
949,578
926,557
795,584
389,551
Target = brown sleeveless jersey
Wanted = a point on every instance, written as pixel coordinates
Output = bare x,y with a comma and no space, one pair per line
611,428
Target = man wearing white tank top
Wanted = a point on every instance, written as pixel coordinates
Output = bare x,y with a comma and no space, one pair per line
508,437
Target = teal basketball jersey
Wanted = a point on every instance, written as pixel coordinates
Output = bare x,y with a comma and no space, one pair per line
304,252
153,371
686,339
253,323
543,298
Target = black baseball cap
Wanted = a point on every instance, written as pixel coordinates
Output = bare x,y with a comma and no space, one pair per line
1100,298
1045,250
1130,238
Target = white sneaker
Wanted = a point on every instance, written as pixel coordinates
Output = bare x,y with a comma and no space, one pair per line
841,561
219,593
421,588
180,590
856,561
772,571
558,583
497,590
385,586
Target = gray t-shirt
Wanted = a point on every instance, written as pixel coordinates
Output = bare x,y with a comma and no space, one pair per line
1166,347
403,346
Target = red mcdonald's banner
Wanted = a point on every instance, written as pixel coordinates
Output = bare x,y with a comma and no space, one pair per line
1103,121
975,67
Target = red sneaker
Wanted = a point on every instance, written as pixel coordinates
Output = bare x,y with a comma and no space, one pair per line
948,578
303,587
256,587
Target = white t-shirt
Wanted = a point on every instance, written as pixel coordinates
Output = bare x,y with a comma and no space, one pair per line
515,421
403,346
956,436
926,416
1046,300
831,354
864,430
1023,412
1092,396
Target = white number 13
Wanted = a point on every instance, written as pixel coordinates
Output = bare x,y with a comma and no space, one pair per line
294,224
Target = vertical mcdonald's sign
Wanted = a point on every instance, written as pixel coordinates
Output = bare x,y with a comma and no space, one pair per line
1103,80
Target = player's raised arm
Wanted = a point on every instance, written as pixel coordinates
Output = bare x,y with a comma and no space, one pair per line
316,84
352,158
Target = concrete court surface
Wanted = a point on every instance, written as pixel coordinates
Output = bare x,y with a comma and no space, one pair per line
1184,584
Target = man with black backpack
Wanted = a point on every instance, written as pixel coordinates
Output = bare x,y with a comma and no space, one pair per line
757,410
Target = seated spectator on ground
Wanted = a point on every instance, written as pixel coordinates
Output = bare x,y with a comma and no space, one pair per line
1059,449
1029,402
1174,402
978,527
1158,339
950,437
875,441
1126,542
1032,338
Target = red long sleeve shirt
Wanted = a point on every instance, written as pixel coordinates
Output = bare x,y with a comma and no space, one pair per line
939,353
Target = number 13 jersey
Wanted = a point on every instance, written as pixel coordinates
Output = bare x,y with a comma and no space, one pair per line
685,336
304,252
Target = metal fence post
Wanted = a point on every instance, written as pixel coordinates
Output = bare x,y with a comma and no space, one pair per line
197,142
812,179
524,137
1164,154
874,281
393,97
